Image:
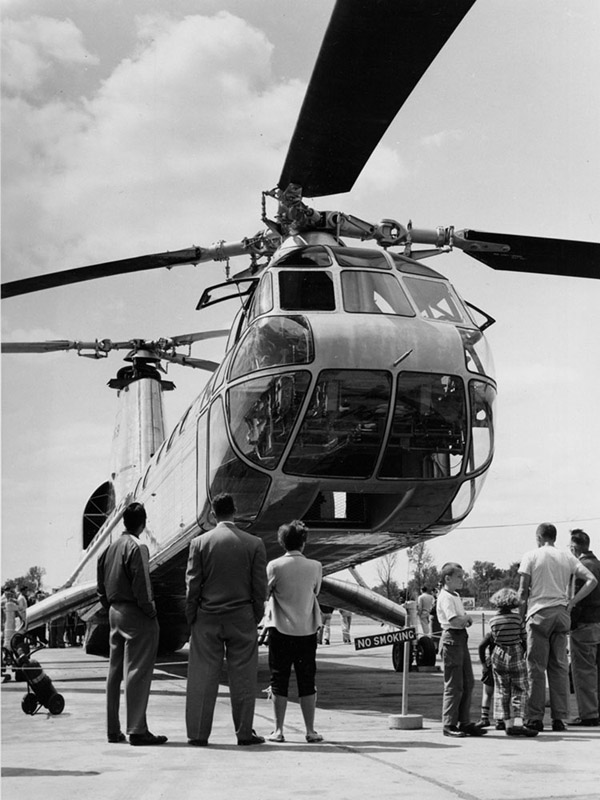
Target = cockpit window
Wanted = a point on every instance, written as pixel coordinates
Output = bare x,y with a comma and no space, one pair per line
342,432
273,342
360,257
263,299
374,293
429,429
313,256
262,413
306,291
434,299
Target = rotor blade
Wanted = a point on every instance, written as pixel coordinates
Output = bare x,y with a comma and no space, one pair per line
531,253
373,55
42,347
188,361
189,338
50,280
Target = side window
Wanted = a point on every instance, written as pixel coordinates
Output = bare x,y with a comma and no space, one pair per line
263,299
434,299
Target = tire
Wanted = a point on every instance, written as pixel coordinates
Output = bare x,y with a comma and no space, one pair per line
29,704
56,704
426,652
398,656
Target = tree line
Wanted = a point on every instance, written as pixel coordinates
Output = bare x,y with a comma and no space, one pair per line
481,581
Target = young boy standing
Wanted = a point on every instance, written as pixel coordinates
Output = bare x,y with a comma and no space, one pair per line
458,670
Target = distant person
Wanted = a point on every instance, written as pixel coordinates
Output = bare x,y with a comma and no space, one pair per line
585,638
458,670
508,663
324,633
125,591
38,634
425,603
56,627
294,618
546,575
436,628
226,592
22,604
346,625
10,613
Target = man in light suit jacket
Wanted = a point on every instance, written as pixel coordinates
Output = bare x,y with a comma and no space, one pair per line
226,592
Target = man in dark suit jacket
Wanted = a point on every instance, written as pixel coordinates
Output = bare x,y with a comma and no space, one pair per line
226,591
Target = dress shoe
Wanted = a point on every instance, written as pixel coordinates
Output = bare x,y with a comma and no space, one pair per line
535,724
514,730
116,738
198,742
590,722
521,730
452,730
472,728
145,739
254,739
558,726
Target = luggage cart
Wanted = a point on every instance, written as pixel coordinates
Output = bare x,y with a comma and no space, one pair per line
40,689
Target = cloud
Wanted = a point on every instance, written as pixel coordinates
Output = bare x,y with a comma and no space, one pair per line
196,108
31,46
441,138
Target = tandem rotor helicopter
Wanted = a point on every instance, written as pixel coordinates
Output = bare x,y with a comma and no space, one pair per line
357,390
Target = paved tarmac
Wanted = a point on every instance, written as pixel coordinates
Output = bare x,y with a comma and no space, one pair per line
67,756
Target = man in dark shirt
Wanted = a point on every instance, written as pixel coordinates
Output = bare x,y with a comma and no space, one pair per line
226,592
585,638
125,591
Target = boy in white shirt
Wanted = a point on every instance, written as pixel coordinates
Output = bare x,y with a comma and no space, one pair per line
458,670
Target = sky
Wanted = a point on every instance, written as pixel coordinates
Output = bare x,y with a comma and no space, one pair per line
139,127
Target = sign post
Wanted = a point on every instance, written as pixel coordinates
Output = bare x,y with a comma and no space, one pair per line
404,721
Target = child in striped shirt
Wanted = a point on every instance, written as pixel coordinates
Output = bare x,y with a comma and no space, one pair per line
508,663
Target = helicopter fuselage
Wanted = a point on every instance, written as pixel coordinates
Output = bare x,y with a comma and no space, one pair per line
356,393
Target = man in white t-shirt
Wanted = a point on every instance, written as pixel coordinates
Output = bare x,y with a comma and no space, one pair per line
544,594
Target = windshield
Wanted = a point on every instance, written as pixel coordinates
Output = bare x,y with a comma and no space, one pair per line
428,433
374,293
343,429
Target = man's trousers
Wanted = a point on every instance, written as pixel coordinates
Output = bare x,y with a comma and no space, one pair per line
585,666
214,637
133,646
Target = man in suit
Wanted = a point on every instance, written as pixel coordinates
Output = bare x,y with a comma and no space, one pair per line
226,591
125,591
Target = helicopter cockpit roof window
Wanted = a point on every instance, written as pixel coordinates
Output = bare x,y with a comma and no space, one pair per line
306,291
434,299
313,256
360,257
374,293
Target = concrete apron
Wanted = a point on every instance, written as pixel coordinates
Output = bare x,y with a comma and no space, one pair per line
68,756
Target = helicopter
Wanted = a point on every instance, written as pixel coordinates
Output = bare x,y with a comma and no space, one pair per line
377,448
